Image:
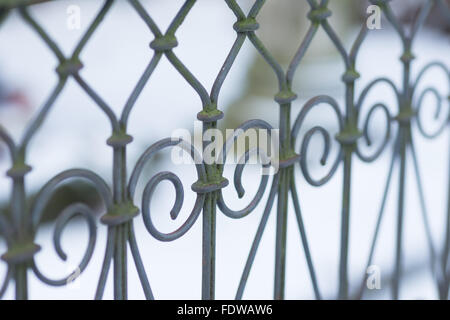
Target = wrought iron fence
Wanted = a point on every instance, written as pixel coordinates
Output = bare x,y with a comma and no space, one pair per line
19,227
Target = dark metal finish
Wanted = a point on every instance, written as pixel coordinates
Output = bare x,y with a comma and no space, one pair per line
20,227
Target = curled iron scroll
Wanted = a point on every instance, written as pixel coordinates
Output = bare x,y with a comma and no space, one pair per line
439,100
317,130
76,209
378,106
251,124
169,176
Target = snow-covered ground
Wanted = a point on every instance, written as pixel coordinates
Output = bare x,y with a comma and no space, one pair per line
75,131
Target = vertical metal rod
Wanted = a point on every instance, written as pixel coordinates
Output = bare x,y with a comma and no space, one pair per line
350,130
348,148
400,214
444,287
120,264
120,247
209,229
21,282
404,133
283,192
281,231
345,226
118,292
209,247
18,211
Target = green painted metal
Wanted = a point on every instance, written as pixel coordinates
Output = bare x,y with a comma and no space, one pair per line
19,228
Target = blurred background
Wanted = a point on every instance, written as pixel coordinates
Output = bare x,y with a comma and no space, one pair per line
75,131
